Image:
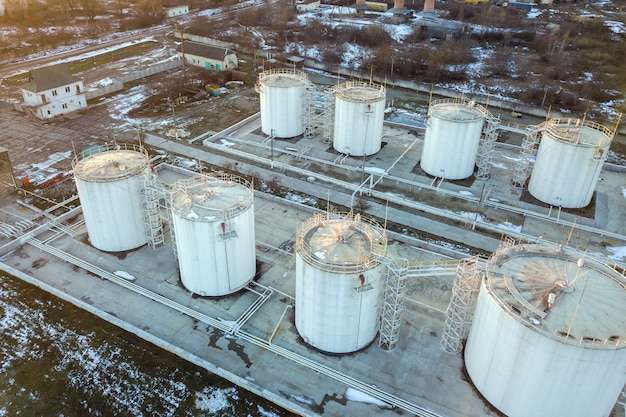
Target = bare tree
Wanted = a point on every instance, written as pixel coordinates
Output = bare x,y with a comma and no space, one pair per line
120,5
153,7
91,8
15,9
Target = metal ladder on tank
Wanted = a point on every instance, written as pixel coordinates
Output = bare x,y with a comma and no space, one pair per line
307,110
393,303
522,170
170,223
488,142
228,225
329,114
152,211
461,308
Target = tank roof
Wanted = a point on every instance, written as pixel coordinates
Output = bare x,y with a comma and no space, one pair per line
579,132
457,110
210,199
283,77
360,92
111,163
563,293
341,242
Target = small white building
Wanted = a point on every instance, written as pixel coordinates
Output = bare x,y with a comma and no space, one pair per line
52,91
207,56
307,5
173,11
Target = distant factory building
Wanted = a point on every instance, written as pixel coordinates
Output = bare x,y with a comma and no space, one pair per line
307,5
188,36
399,9
360,6
173,11
207,56
52,91
435,26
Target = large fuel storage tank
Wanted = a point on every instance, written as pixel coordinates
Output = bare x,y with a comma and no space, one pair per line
339,281
359,116
213,224
110,184
453,130
569,160
548,337
282,93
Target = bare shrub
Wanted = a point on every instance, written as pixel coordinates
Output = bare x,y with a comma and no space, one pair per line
604,56
249,17
461,11
332,55
499,64
418,34
408,61
374,36
313,32
585,42
140,21
524,36
95,29
491,35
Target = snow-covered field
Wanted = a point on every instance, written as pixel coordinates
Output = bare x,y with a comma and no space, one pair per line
57,360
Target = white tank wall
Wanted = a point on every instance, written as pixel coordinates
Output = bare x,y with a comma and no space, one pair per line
524,373
209,265
113,212
451,140
565,174
330,316
359,123
282,99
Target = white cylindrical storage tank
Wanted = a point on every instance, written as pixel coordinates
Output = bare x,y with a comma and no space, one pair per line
339,281
453,130
213,222
110,184
359,116
282,96
569,160
548,336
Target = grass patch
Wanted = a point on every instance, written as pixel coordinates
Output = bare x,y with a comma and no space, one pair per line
95,61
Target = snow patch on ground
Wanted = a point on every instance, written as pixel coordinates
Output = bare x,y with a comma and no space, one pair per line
125,275
510,227
358,396
265,413
94,368
214,400
619,252
296,198
615,26
39,173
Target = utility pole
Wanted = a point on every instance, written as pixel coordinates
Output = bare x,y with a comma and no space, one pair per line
272,149
182,50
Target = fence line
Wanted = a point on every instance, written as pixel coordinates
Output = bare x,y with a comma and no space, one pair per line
118,83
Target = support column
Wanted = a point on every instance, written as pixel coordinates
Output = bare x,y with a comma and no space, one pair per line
393,303
461,308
